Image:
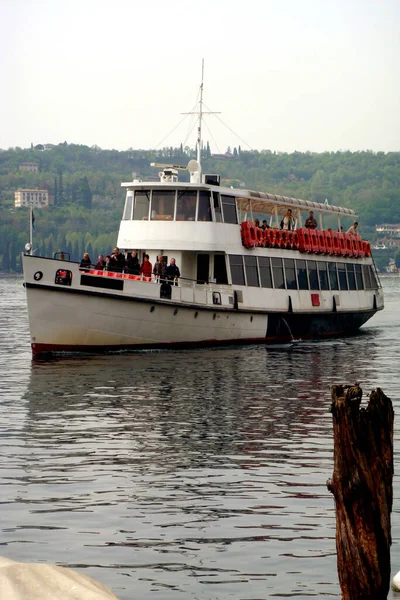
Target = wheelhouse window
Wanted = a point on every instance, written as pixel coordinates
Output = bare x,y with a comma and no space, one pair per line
333,277
351,277
265,272
302,277
290,273
128,206
204,210
367,277
323,276
359,277
186,206
374,278
250,263
229,209
277,271
237,272
342,276
141,205
313,275
217,207
162,205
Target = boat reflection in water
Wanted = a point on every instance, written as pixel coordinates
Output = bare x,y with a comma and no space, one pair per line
166,470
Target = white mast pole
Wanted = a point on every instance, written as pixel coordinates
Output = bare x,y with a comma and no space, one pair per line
30,229
200,117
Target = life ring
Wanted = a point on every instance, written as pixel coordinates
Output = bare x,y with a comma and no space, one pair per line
303,240
278,238
260,236
367,248
342,244
294,241
314,241
335,243
349,245
272,237
328,242
284,238
321,242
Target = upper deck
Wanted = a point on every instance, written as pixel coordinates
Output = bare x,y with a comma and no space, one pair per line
188,215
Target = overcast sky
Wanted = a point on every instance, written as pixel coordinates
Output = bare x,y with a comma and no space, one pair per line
290,75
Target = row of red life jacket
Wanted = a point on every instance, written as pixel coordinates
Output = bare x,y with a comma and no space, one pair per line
305,240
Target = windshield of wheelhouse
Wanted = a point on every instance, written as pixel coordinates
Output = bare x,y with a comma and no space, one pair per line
180,205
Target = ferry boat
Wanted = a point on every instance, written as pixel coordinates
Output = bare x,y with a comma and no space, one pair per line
238,283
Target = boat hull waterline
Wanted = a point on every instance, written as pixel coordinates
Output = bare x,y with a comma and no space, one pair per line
67,320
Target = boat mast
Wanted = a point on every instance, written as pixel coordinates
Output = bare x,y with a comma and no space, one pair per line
200,117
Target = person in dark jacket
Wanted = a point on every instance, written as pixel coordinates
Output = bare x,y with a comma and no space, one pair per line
311,222
172,271
132,265
117,261
85,263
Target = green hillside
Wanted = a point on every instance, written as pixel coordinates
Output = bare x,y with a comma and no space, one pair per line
88,199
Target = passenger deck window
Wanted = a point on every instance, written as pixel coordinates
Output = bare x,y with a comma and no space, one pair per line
342,276
367,277
265,272
351,277
229,209
204,211
141,206
290,273
250,263
186,206
374,280
302,278
277,272
323,276
313,275
333,277
162,205
359,277
237,272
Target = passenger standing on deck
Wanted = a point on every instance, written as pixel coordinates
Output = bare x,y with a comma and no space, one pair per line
86,263
172,271
264,225
311,223
353,229
132,265
146,267
159,268
117,261
288,222
101,263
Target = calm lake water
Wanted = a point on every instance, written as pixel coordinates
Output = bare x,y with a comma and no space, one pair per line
194,474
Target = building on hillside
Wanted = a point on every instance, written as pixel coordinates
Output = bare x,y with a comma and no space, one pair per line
29,166
35,198
225,156
389,229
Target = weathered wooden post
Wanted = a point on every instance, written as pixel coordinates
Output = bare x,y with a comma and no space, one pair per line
362,488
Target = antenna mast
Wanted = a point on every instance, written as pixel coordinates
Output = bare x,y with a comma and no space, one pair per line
200,113
200,116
